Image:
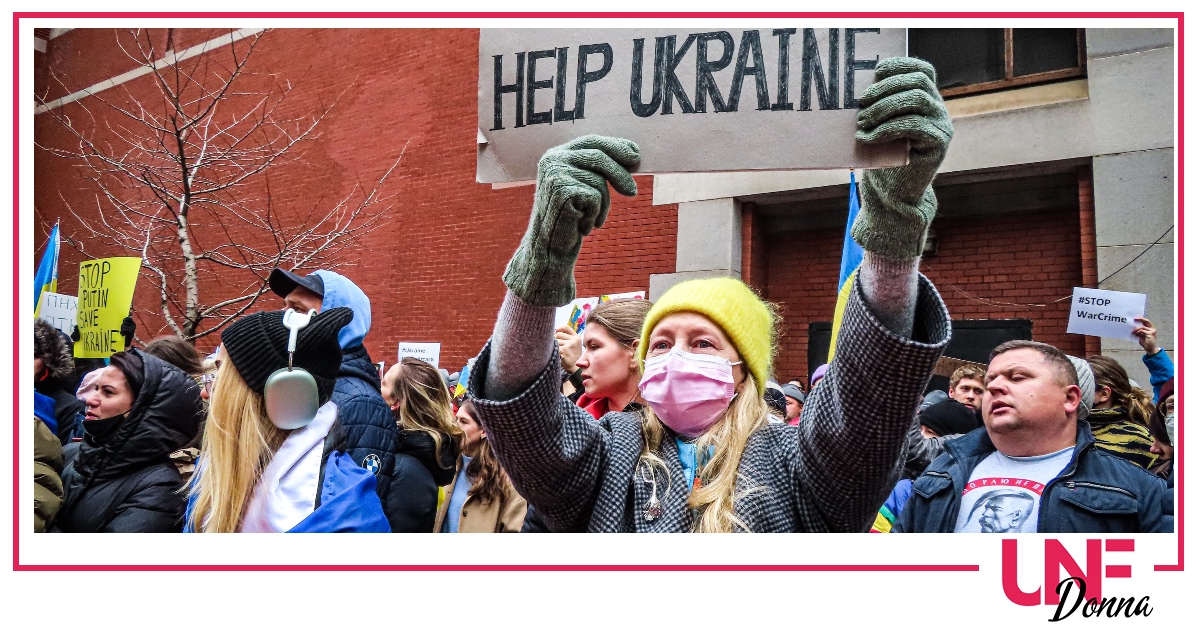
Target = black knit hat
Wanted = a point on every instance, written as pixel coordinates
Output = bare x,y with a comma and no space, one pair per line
257,346
949,417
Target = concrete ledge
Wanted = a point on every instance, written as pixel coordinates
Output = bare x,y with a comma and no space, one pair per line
1109,42
1007,100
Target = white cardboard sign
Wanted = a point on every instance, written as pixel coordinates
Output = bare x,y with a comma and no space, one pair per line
575,312
427,352
60,310
1105,313
694,100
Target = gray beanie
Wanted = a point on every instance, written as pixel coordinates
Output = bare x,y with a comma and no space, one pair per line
791,391
1087,386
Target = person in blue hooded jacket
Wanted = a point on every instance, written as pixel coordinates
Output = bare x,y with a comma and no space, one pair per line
406,486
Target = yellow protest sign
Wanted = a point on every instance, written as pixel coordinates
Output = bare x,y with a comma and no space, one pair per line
105,295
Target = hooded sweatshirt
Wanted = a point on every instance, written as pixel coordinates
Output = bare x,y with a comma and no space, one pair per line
356,391
340,291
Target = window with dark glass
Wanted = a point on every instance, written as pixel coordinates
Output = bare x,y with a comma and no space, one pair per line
974,60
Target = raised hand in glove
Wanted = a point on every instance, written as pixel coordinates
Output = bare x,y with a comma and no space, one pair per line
571,199
898,203
128,327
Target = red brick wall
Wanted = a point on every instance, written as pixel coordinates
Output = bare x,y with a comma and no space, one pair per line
987,267
754,249
433,268
802,280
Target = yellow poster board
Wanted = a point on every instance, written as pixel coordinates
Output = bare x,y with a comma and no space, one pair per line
105,295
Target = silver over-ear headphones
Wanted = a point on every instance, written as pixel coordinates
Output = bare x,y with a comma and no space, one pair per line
291,393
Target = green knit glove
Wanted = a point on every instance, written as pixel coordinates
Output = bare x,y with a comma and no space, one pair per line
898,203
571,199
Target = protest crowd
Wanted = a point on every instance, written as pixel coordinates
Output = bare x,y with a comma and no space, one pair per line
661,416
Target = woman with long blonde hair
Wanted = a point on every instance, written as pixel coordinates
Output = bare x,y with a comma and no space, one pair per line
260,474
702,457
424,413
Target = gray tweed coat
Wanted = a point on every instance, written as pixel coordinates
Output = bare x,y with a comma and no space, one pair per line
830,474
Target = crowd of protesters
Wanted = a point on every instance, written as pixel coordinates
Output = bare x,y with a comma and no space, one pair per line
659,417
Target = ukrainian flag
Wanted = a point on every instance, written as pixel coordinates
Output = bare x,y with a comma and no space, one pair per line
852,256
47,271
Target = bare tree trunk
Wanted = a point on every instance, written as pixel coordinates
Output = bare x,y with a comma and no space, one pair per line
191,320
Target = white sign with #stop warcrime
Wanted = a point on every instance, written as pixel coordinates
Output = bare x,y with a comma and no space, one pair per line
1105,313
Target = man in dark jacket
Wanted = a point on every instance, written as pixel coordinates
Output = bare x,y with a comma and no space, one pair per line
1033,467
405,486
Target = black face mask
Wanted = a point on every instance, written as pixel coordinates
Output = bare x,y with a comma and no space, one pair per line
97,431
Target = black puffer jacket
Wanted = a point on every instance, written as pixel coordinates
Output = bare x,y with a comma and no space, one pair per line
421,446
124,481
369,434
417,463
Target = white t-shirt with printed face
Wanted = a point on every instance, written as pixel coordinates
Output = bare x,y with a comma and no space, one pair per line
1004,492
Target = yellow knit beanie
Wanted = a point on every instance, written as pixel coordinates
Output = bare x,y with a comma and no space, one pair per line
728,302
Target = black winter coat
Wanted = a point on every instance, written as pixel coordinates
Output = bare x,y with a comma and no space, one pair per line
417,464
368,432
124,481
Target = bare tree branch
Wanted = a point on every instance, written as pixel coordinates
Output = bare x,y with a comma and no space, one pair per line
181,178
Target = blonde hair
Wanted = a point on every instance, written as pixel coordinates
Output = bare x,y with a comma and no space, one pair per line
715,500
239,442
424,402
973,372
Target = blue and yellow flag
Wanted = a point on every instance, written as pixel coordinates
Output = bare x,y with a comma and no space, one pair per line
852,256
47,271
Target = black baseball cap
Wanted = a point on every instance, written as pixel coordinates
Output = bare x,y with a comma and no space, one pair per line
283,282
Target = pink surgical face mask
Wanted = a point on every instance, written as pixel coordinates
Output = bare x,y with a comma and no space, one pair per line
688,392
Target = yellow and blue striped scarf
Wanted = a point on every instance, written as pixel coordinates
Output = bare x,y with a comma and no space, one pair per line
1119,435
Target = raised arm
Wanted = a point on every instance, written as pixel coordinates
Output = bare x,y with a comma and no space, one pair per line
551,449
895,325
898,203
1157,361
571,199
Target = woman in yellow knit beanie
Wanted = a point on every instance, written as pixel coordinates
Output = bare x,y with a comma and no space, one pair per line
745,319
707,347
